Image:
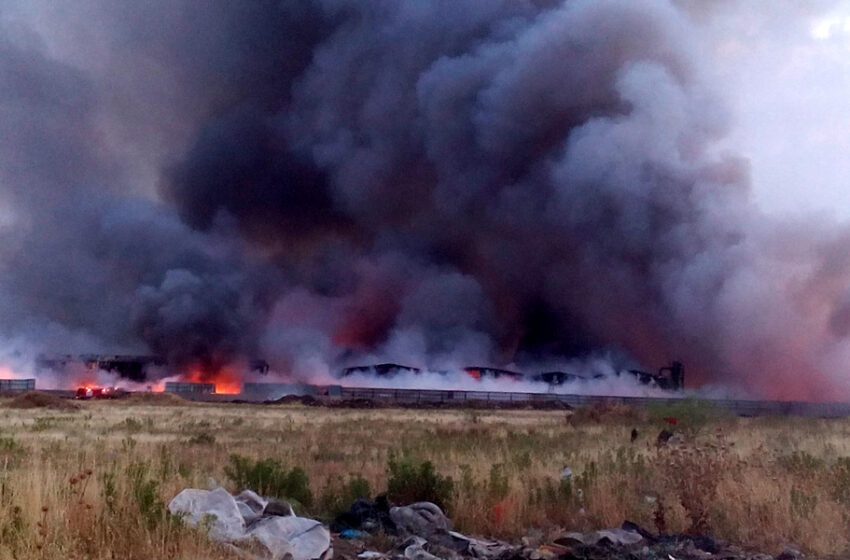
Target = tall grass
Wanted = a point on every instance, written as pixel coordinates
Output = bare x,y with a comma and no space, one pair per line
94,483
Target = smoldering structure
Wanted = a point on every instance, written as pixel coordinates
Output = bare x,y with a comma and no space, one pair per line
435,183
137,369
84,371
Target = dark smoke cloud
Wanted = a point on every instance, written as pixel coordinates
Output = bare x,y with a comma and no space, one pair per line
436,183
122,273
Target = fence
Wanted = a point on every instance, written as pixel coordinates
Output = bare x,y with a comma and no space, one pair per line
260,391
740,407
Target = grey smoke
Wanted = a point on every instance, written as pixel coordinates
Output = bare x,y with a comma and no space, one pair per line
430,182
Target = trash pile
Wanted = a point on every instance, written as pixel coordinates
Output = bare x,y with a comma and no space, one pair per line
257,528
267,529
424,533
421,531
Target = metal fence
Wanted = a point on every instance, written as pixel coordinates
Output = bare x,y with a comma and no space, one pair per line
260,391
740,407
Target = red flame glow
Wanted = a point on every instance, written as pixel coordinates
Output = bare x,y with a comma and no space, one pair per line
226,381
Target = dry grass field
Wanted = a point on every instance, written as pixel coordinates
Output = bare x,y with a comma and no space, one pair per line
92,482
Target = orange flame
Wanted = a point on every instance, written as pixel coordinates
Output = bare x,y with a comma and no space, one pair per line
85,378
157,386
226,381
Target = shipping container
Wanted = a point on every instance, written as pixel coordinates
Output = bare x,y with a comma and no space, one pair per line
193,388
17,385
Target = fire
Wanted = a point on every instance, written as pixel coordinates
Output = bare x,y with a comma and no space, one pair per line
157,386
226,381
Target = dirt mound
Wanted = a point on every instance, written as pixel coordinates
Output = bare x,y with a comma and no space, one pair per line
306,400
162,399
37,399
287,399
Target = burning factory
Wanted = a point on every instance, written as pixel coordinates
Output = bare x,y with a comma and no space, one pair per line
143,371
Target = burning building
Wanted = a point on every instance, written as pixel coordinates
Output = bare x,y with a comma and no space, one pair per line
479,372
381,370
671,378
562,377
142,369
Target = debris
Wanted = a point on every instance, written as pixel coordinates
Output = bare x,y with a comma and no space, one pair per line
416,551
252,501
617,537
421,519
635,528
215,508
570,539
566,473
424,533
368,516
298,537
279,508
553,549
245,520
353,534
370,555
250,505
634,434
790,553
605,537
467,546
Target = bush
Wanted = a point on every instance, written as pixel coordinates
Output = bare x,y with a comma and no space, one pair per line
691,414
131,425
13,531
203,438
268,477
498,484
411,480
801,462
11,452
606,413
695,475
839,476
145,492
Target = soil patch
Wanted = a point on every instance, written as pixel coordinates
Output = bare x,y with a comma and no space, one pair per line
38,399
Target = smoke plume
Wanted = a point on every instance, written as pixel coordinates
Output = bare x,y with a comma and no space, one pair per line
438,183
